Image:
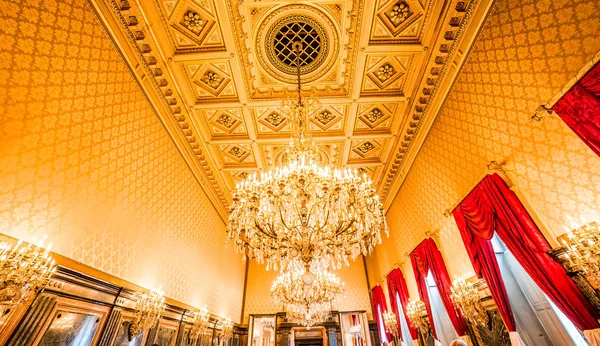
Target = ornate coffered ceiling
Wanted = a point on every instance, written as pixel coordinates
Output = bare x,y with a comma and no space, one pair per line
216,72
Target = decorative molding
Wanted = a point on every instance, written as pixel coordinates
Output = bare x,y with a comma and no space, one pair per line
443,56
149,72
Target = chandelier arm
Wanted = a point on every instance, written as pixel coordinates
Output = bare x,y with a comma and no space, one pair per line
343,231
258,227
282,219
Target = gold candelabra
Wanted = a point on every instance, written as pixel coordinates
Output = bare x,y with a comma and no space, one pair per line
466,298
583,251
148,310
391,324
25,269
416,312
199,324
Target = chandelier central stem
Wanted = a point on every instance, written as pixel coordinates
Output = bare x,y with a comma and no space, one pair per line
297,46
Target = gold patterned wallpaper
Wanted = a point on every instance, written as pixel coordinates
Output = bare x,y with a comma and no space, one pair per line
258,290
525,54
84,159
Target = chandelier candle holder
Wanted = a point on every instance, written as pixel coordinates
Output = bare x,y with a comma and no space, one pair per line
391,325
304,211
465,297
148,310
227,326
199,324
307,299
582,251
416,312
25,269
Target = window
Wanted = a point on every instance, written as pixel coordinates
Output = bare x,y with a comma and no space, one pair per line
380,324
406,338
443,325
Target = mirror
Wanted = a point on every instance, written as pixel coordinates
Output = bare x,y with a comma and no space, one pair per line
262,330
354,329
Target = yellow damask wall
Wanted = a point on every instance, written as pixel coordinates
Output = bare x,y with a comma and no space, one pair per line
258,290
527,52
84,159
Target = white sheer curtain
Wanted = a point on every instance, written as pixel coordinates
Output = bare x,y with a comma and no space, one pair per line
443,325
406,338
382,333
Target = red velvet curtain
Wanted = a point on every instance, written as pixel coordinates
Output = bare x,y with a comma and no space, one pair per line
426,257
579,108
397,285
472,215
492,206
378,299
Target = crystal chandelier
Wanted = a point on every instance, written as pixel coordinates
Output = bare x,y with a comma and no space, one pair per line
582,250
415,311
199,324
148,310
466,297
24,271
303,210
306,299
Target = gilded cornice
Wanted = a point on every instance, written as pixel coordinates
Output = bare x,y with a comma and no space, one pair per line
435,85
149,71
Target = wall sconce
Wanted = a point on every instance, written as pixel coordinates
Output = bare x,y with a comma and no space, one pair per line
227,326
582,251
466,298
148,310
199,325
24,271
416,312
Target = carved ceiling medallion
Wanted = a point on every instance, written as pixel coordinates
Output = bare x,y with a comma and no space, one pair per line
295,28
297,22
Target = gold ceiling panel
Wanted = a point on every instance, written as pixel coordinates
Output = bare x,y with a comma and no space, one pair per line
379,117
224,122
367,150
330,119
218,71
191,25
270,121
236,155
210,81
386,74
398,21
